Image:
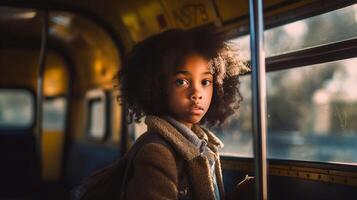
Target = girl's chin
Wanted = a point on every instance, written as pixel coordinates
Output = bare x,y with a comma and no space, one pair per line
194,119
189,119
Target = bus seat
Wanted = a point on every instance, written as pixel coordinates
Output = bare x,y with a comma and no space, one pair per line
19,171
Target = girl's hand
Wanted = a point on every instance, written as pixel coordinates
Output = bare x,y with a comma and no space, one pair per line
244,190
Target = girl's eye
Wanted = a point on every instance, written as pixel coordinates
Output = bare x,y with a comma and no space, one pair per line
181,82
206,82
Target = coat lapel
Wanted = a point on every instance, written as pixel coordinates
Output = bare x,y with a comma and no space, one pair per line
213,143
200,178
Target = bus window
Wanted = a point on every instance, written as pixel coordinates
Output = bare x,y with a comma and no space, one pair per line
17,109
306,120
312,112
334,26
54,114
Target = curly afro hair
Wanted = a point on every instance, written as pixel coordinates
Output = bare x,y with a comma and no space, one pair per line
143,78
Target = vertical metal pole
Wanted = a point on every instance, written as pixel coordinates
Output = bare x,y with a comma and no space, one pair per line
40,76
258,97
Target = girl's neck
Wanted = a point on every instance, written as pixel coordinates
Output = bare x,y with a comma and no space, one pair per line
189,125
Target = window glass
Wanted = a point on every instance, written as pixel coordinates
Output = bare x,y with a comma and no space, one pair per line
17,108
311,112
327,28
96,118
237,133
54,114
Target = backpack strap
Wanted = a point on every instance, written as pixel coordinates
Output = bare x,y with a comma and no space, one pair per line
141,141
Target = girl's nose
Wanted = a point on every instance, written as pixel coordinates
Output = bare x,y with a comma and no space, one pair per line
196,91
196,95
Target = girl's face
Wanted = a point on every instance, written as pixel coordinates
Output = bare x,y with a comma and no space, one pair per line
190,91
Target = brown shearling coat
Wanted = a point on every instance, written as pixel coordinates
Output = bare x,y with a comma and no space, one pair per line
155,174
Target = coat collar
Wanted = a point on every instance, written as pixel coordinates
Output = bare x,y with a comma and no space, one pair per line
198,166
178,141
207,135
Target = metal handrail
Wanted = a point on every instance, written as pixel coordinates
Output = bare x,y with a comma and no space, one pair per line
40,78
258,97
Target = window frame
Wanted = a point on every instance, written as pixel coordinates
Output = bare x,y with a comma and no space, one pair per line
90,97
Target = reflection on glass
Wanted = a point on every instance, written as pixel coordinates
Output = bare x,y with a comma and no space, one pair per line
327,28
312,114
16,108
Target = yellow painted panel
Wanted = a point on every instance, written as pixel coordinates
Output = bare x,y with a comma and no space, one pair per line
19,67
52,149
146,17
230,9
143,18
235,9
105,67
56,76
149,11
116,119
189,14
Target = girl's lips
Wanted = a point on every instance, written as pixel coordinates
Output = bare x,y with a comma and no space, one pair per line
196,110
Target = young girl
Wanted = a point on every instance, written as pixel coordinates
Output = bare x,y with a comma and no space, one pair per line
179,80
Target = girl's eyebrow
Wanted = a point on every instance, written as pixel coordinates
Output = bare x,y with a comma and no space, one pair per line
188,73
207,72
181,72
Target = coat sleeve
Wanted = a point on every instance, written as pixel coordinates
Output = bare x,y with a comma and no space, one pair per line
154,174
